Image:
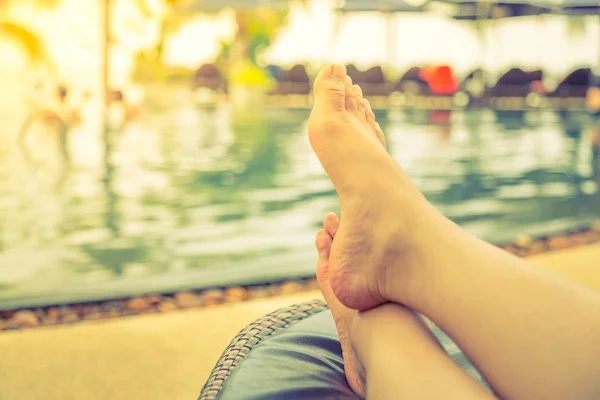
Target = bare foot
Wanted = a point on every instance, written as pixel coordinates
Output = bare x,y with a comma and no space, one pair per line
342,316
383,213
420,368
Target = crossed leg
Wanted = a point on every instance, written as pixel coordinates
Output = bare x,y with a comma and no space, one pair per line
533,334
388,351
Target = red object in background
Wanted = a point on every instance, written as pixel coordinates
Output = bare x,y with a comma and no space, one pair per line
440,79
538,87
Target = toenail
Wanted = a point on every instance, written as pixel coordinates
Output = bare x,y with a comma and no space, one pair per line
357,89
338,71
368,107
348,80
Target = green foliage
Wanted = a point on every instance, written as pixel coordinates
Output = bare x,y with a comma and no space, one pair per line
258,29
248,73
226,49
240,57
149,68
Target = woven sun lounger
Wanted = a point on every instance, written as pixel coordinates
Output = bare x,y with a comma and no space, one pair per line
294,353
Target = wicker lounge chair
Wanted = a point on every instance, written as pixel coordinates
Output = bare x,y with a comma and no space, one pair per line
250,337
294,353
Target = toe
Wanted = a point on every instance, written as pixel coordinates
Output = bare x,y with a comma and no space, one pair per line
331,223
370,115
380,134
330,89
351,105
342,316
323,242
360,104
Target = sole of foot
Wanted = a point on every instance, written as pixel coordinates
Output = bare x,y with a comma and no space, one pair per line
382,210
342,316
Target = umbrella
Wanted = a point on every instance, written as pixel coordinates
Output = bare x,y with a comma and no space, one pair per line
388,7
580,7
488,10
216,5
470,10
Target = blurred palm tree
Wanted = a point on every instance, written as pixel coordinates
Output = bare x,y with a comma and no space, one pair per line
171,19
32,44
257,28
27,40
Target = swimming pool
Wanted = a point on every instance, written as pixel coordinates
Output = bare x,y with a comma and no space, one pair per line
192,197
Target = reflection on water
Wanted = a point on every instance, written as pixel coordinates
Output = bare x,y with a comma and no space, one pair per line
189,197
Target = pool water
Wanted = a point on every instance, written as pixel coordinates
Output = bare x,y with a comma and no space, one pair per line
193,197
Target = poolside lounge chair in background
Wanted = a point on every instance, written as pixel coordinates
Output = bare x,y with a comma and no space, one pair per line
297,80
354,73
372,82
411,82
470,77
375,83
276,71
474,88
209,76
293,87
429,88
536,75
511,90
593,97
571,91
294,81
408,88
441,80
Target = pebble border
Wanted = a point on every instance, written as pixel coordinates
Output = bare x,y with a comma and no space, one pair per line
17,319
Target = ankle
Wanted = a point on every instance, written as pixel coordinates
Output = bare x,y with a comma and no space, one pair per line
374,332
406,281
366,333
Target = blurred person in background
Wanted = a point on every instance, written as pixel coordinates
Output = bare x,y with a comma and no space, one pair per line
120,111
593,94
55,114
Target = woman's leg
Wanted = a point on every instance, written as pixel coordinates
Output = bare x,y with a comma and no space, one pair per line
402,360
389,353
533,334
